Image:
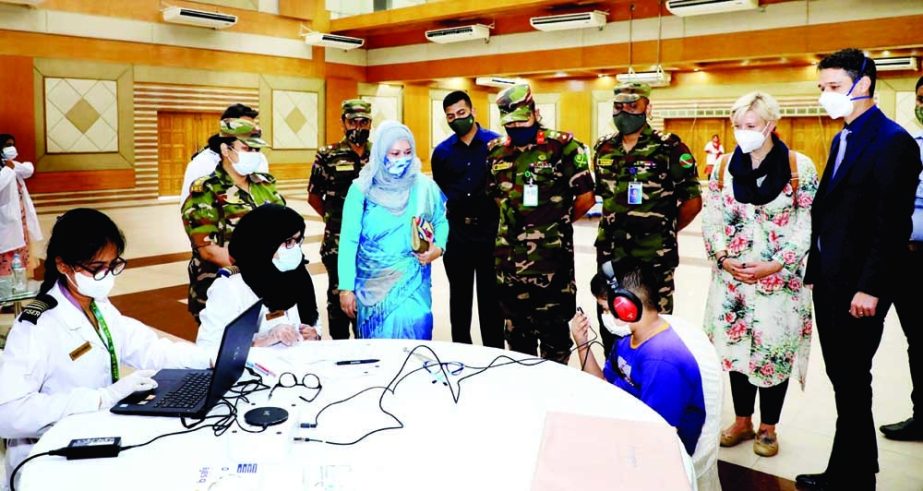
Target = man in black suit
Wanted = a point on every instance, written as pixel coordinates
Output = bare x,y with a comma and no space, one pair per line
861,219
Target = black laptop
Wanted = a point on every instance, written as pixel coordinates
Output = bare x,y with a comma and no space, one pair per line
192,393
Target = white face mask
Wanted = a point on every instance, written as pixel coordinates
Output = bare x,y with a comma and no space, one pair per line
10,153
614,326
95,289
837,105
287,259
247,163
749,140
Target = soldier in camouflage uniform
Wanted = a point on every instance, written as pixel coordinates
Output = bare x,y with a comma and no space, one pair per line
217,202
335,168
647,180
541,182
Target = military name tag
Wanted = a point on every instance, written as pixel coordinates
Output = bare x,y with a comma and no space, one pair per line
604,162
345,166
530,195
501,166
635,194
80,351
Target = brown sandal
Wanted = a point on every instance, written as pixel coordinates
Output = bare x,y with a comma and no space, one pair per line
765,445
729,439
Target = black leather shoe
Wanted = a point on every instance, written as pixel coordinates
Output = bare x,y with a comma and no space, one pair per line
906,431
812,481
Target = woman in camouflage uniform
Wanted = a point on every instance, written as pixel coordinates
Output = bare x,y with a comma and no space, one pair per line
218,201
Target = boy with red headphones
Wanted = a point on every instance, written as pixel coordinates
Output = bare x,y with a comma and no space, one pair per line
650,362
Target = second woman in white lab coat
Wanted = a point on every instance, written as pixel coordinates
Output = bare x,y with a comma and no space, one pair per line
19,225
266,248
65,351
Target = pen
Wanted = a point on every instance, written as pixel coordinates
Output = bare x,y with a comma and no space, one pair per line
357,362
260,368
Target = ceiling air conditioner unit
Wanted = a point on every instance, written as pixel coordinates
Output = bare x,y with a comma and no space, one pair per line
333,40
683,8
596,18
496,82
198,18
656,78
28,3
896,63
459,34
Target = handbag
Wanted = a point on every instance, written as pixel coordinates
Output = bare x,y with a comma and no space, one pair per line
422,234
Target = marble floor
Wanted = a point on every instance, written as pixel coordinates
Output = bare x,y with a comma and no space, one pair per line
157,250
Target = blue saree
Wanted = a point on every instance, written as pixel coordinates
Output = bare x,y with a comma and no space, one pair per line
393,290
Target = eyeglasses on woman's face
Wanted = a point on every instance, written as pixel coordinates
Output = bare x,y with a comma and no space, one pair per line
294,241
99,269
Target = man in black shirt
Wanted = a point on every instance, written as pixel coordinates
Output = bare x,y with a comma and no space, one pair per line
460,169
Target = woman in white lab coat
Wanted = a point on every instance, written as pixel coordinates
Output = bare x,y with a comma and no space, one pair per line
266,248
18,222
64,352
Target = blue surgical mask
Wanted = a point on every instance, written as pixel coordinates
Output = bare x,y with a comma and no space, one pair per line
397,167
287,259
522,136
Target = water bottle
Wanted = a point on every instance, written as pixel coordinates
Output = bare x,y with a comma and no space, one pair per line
19,274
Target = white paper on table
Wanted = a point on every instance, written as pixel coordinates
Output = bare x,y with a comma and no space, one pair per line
245,476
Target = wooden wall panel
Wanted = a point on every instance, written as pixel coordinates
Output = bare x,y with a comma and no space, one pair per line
417,117
338,90
57,182
285,172
299,9
17,115
53,46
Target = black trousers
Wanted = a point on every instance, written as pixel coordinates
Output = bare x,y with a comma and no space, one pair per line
337,321
744,395
848,345
466,261
906,302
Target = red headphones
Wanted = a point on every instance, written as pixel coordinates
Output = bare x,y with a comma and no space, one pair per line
625,305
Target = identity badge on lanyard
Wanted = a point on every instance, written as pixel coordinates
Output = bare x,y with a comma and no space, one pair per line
104,330
635,188
530,189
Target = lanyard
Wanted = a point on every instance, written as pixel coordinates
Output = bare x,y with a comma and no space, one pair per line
104,329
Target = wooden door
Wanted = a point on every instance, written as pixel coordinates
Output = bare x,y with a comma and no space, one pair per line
812,136
179,135
696,132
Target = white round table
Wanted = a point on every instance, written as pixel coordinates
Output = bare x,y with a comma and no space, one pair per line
488,440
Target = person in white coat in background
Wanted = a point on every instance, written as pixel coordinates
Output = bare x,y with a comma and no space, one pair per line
266,249
19,225
64,352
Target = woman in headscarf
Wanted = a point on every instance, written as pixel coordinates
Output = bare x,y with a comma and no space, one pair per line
383,280
757,228
266,249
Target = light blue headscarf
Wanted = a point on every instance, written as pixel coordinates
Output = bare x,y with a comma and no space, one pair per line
375,182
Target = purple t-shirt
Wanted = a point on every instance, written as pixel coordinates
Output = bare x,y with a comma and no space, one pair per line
663,374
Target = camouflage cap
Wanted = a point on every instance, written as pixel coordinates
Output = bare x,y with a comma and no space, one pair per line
355,109
515,104
631,91
245,130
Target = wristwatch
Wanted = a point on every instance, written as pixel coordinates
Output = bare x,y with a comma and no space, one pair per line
721,261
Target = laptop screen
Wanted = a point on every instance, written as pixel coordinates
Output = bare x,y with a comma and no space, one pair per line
232,356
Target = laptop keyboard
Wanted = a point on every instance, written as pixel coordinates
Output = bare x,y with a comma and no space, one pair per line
189,394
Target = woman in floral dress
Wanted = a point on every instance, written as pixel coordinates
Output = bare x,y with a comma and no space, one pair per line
757,229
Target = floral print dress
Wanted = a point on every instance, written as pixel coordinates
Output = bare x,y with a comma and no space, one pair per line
762,330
